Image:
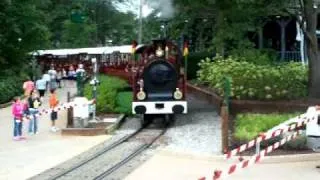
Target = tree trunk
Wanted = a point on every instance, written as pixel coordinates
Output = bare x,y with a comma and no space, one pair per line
220,22
260,33
312,49
283,41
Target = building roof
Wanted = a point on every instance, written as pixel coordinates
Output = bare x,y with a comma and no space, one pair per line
96,50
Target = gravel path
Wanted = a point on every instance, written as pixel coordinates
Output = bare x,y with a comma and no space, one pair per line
197,132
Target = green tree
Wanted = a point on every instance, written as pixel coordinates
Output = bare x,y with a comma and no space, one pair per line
77,35
307,12
23,30
229,20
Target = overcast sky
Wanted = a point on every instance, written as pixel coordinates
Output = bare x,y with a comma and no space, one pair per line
133,5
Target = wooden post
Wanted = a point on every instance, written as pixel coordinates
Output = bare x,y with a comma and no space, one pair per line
70,113
224,114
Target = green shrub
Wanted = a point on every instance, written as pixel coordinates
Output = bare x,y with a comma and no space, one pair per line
106,93
123,102
9,87
193,60
256,56
251,81
248,126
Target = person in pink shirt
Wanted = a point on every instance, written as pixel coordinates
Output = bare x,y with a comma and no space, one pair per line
28,87
18,109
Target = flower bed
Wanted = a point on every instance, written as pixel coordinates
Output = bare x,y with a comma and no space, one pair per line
254,82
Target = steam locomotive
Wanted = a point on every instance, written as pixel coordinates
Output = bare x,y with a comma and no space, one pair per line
159,82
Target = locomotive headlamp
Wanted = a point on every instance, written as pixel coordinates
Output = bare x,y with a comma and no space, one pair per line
159,52
177,94
141,95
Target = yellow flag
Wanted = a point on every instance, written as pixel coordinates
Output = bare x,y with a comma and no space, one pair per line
185,51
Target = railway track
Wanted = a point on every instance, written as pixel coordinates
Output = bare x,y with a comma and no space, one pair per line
102,164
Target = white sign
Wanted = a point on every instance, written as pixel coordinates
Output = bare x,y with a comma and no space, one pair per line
81,110
313,128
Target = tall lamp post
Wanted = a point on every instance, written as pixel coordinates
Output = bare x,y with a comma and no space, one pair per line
140,22
94,82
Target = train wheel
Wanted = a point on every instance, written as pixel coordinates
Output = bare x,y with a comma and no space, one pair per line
169,119
146,119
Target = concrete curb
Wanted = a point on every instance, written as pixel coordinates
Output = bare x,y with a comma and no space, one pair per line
110,129
93,131
5,105
220,158
82,131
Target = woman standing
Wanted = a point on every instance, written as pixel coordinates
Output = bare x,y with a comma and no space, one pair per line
33,104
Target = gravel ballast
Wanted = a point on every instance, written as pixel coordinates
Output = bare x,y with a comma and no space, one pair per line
198,132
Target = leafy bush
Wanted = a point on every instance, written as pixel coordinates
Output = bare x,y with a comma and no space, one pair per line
251,81
255,56
248,126
106,93
193,60
9,87
11,81
123,102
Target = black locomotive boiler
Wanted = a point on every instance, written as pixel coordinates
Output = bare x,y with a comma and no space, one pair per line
159,81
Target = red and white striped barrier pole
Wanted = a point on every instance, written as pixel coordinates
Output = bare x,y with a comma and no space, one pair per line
303,121
61,107
254,159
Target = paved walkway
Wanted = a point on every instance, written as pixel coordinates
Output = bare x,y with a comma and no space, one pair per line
171,166
24,159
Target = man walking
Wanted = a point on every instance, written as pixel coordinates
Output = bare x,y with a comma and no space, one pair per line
41,86
53,78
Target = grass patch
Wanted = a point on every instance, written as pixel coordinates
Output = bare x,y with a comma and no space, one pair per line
123,102
248,126
107,93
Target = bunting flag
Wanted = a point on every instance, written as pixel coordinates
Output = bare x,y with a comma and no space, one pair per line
185,54
185,49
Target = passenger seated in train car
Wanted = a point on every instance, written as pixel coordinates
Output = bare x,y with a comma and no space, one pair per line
71,73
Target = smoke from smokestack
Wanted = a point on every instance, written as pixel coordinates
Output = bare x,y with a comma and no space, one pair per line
165,7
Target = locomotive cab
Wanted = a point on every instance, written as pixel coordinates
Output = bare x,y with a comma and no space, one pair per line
159,82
